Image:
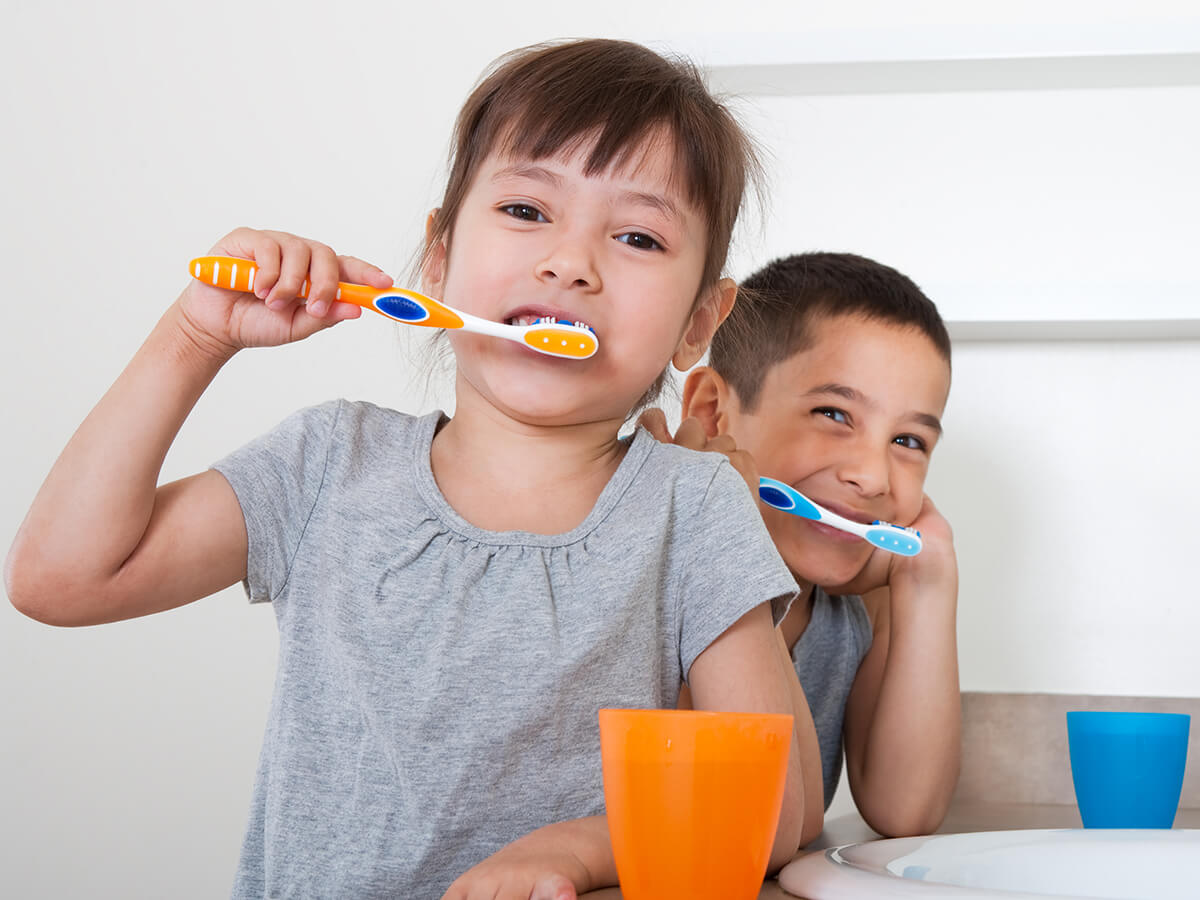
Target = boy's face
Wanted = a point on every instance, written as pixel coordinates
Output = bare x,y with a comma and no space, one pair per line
849,422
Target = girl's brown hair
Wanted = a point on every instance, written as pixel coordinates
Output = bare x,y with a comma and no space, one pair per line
538,101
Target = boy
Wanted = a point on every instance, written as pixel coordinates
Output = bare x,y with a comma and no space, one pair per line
832,375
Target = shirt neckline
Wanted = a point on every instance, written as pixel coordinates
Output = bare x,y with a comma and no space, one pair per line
641,443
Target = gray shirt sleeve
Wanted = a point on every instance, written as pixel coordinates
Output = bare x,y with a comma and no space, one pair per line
277,478
730,566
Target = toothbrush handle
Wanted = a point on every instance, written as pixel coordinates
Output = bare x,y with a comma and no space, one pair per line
404,306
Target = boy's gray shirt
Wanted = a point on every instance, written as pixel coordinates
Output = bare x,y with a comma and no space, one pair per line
438,684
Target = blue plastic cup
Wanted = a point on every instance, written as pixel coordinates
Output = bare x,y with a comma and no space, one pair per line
1127,767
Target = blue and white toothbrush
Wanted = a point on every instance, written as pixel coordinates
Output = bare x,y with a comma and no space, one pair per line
885,536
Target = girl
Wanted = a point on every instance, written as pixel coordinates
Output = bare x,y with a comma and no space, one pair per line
457,597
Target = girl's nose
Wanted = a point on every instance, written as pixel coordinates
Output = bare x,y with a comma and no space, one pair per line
570,264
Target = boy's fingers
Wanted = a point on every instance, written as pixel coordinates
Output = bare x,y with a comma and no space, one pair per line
654,420
691,434
722,443
744,464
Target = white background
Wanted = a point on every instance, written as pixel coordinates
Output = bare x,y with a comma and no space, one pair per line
137,133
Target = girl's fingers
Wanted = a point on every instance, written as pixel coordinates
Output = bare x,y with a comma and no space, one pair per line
305,323
323,272
293,270
553,887
249,243
357,271
284,262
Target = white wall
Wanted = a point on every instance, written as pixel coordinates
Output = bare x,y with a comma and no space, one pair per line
137,133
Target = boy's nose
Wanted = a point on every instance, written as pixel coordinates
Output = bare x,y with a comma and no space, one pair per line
867,470
570,265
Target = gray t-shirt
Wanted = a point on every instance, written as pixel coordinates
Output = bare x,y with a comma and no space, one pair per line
827,656
437,684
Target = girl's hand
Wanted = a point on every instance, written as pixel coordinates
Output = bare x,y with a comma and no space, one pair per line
513,874
222,321
934,567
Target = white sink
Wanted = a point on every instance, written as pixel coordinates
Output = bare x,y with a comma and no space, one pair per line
1081,863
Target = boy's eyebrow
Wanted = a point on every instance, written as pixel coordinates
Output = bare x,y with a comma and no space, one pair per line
843,390
659,202
926,419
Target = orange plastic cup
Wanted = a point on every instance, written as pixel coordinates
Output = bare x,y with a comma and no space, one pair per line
693,799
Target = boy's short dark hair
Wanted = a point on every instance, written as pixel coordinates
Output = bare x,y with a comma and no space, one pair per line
778,304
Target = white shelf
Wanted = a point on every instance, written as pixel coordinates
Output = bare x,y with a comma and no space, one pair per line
944,43
798,80
1075,330
945,75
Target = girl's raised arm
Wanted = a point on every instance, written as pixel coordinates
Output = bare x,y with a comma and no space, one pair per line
102,541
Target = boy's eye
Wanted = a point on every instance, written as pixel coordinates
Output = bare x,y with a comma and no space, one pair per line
911,441
831,412
524,212
639,240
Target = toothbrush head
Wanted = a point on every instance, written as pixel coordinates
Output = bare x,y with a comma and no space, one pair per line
894,539
785,497
573,340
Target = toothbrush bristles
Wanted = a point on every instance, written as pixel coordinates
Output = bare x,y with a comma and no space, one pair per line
551,320
897,527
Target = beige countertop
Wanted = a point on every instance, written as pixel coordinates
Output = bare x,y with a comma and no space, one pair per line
851,829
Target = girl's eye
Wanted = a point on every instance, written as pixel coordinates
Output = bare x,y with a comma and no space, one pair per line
524,212
639,240
831,412
911,441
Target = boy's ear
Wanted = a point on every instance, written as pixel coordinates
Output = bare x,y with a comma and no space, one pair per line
709,313
706,398
433,266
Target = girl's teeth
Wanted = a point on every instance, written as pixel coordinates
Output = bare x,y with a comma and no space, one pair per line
548,320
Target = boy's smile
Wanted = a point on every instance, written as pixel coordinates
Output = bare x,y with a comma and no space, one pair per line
850,422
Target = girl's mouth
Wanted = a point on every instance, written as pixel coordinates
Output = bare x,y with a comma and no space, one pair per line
530,319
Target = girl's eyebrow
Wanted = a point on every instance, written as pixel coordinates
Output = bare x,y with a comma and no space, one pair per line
841,390
655,201
528,170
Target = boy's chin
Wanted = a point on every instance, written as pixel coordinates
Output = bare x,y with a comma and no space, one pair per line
832,572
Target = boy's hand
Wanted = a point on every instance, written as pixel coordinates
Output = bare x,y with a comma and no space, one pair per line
934,567
691,435
518,872
222,321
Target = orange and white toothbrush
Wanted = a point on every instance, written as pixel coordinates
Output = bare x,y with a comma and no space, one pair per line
572,340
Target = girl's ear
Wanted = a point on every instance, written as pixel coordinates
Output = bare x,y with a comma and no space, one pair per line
706,398
433,263
709,313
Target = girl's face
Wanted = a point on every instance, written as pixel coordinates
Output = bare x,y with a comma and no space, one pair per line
851,423
622,251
